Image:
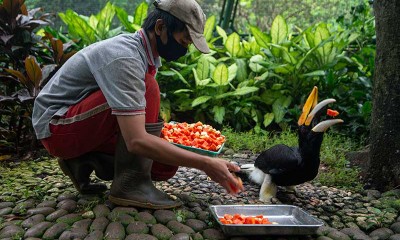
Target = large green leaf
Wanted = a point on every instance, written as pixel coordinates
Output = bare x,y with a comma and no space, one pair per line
200,100
321,34
198,81
278,110
279,30
204,82
311,51
309,36
167,73
203,68
140,13
232,44
104,18
241,74
353,37
165,110
219,114
220,74
180,77
222,33
261,38
209,27
254,115
254,64
254,47
78,27
316,73
232,70
183,91
245,90
92,21
124,18
283,51
268,118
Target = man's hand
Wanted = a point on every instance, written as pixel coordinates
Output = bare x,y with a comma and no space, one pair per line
219,170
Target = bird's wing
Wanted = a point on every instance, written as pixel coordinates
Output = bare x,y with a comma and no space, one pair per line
278,158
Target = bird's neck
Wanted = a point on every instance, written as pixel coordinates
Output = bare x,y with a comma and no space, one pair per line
310,155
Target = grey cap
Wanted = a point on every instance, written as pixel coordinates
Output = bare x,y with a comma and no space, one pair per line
189,12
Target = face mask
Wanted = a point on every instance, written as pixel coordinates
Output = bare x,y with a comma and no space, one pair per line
170,51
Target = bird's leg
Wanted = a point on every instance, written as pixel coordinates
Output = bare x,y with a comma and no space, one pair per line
268,189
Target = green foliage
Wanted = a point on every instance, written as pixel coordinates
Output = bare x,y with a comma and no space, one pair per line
301,13
132,23
93,28
28,60
17,39
260,82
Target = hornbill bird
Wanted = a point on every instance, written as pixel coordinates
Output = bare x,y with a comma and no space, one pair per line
282,165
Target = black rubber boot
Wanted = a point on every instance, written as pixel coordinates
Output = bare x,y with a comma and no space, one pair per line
132,185
160,171
79,170
103,165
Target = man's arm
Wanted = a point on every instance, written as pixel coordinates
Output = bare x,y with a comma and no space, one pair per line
138,141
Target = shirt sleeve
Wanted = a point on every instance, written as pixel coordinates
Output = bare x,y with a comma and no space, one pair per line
123,85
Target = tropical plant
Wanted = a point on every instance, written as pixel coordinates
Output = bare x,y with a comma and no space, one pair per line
260,82
17,36
91,29
132,23
30,60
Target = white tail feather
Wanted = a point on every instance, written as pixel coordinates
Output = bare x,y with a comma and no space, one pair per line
257,176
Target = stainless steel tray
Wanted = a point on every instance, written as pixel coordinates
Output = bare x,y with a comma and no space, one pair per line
291,220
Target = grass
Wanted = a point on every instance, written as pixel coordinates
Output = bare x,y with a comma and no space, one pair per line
334,171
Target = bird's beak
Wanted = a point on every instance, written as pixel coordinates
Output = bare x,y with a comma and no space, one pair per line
317,108
310,110
324,125
310,104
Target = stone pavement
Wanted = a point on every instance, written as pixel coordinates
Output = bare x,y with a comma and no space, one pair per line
38,202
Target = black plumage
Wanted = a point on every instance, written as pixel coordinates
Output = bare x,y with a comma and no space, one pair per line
293,165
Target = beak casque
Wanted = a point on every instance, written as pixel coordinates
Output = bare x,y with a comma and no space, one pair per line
310,104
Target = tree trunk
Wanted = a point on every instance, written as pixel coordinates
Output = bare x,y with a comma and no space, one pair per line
384,165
